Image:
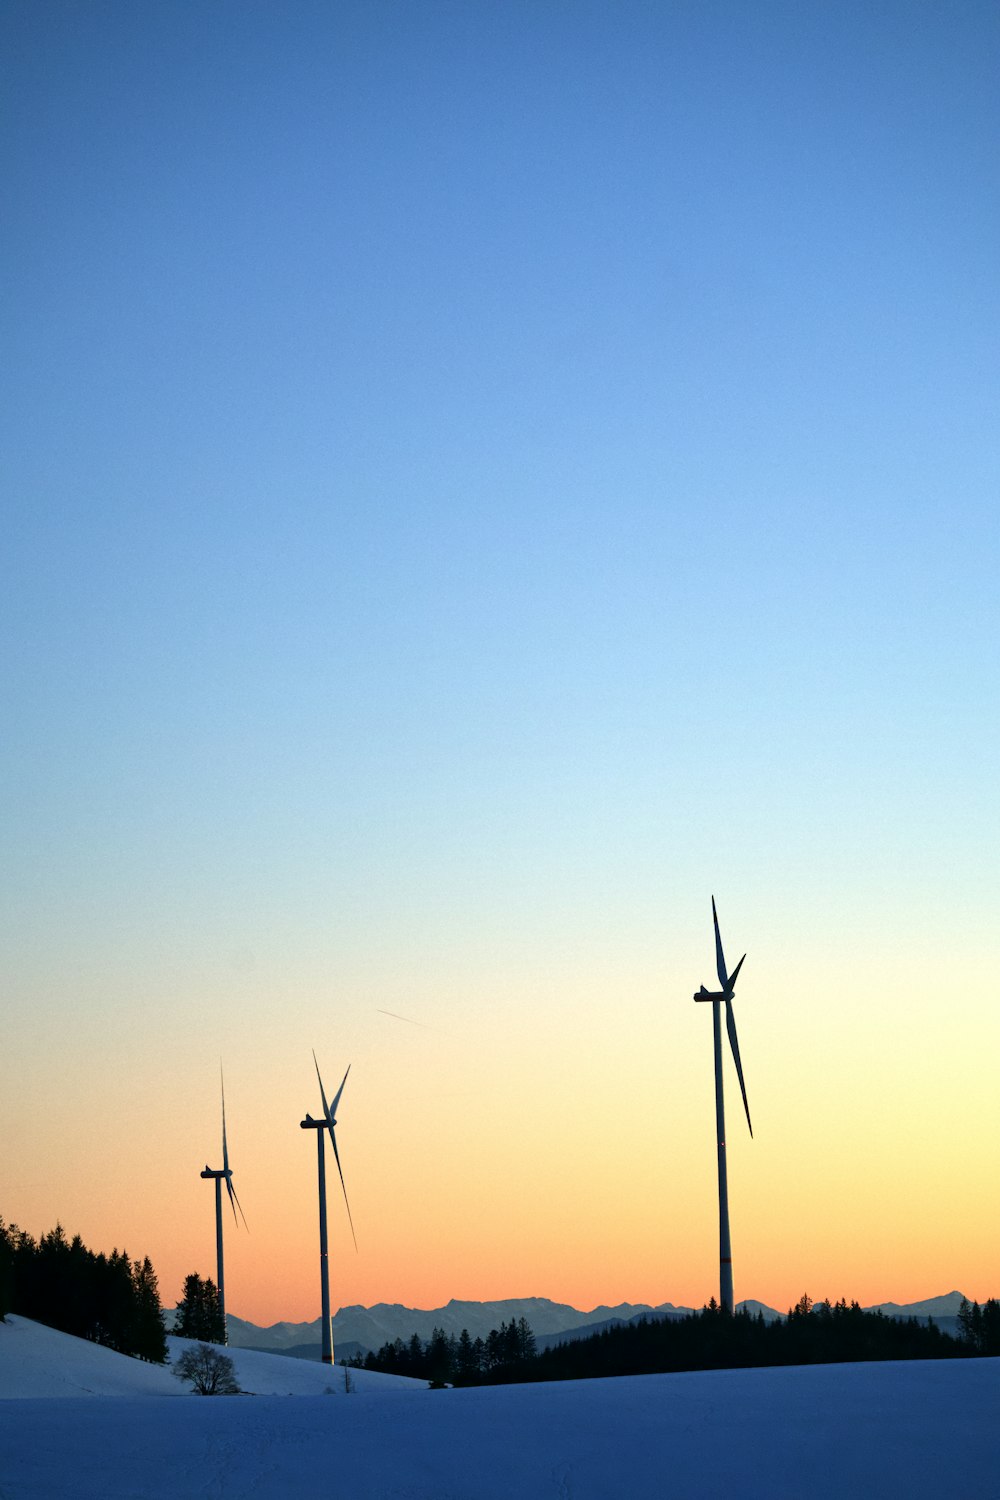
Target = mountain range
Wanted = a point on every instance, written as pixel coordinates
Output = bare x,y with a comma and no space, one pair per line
359,1329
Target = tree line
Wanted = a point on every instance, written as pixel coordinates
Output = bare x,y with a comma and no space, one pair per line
108,1299
712,1339
503,1356
979,1327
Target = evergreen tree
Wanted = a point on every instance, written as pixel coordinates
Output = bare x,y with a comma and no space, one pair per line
198,1314
525,1340
114,1302
466,1363
6,1268
149,1336
438,1357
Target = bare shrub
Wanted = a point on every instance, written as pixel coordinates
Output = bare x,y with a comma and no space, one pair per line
210,1373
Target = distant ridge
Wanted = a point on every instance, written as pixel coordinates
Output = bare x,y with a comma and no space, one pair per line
371,1327
368,1328
934,1307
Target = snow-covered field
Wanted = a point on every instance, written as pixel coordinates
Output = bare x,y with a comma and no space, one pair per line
909,1430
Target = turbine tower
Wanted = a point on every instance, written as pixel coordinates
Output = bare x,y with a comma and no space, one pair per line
724,997
328,1122
224,1174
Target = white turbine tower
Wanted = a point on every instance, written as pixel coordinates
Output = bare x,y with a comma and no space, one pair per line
328,1122
724,997
223,1175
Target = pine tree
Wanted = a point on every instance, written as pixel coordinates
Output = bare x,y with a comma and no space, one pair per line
149,1338
198,1314
6,1268
525,1340
438,1359
114,1302
466,1364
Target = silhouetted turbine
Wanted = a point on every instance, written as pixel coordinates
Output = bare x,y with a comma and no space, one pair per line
225,1175
724,997
328,1122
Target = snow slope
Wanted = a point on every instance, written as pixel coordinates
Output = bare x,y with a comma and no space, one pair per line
262,1374
36,1361
903,1431
39,1361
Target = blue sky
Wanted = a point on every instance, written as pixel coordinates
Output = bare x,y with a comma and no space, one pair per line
480,477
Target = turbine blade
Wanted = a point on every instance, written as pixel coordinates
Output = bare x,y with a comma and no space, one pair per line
732,977
333,1106
720,962
225,1148
236,1204
731,1028
232,1199
322,1093
343,1184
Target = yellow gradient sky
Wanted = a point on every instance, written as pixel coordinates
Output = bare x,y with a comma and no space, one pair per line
547,1131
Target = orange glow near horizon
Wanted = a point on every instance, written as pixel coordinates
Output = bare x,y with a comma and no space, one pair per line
579,1167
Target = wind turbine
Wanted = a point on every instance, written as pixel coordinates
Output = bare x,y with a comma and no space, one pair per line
724,997
225,1174
328,1122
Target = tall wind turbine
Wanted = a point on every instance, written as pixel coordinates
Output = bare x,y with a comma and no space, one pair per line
718,998
223,1175
328,1122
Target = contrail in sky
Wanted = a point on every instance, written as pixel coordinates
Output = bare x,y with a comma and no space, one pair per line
406,1019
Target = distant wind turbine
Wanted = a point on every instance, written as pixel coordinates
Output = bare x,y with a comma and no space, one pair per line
328,1122
224,1175
724,997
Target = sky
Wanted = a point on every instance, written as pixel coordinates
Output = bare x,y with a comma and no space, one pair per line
479,480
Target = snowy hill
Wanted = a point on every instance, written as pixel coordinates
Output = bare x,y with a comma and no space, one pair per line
36,1361
39,1362
261,1374
917,1430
